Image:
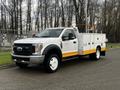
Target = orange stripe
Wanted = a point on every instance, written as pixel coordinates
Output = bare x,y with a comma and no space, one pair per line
69,54
103,49
89,51
86,52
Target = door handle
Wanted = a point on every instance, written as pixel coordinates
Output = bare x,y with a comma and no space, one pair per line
74,42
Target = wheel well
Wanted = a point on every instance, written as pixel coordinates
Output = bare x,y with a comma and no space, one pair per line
54,51
99,47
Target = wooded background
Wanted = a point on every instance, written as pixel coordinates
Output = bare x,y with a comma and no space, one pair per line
19,17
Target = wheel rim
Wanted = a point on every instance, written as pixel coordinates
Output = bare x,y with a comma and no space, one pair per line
54,63
98,54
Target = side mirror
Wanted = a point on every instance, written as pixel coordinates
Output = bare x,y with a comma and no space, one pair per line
64,38
33,35
71,36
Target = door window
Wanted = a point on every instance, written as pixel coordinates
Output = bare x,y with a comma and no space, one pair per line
68,35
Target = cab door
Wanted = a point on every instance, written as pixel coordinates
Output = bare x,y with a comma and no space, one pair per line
69,44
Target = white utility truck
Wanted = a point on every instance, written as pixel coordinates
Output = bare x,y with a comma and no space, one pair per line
54,45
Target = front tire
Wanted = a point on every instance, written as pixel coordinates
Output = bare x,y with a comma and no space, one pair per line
51,63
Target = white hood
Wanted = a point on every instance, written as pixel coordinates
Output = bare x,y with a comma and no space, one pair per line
35,40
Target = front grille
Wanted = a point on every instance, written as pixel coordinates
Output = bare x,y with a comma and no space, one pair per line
23,49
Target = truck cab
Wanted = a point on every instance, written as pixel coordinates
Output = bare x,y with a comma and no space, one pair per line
54,45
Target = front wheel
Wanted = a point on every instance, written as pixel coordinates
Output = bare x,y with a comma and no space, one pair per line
52,63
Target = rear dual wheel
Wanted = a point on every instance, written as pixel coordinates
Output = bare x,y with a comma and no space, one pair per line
96,55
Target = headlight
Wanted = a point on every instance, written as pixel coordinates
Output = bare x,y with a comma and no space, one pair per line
38,47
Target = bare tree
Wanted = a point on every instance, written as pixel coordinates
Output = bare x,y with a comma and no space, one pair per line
80,14
28,24
63,13
55,13
37,23
70,10
20,6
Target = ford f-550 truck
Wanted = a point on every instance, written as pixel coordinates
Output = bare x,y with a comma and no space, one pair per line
54,45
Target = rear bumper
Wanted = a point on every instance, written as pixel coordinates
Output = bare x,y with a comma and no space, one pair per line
28,59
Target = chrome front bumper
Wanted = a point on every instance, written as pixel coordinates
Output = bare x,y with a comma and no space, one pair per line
28,59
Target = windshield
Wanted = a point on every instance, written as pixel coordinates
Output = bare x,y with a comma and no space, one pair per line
50,33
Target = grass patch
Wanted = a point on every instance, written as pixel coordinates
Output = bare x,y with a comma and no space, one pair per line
5,58
113,45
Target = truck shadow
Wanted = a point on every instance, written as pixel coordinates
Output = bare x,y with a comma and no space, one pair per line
83,61
79,61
